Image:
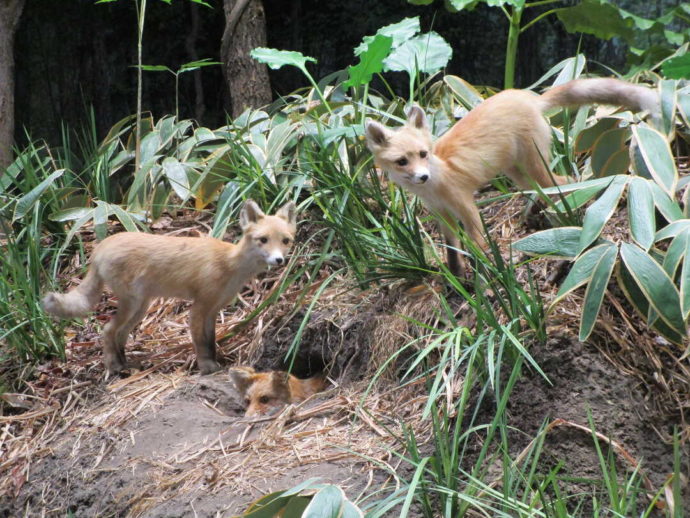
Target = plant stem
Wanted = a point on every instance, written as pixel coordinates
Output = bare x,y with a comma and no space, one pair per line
511,47
141,12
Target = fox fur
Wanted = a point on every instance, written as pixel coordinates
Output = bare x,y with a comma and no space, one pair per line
138,267
266,392
507,133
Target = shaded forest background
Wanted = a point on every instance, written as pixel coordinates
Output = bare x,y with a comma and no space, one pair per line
74,55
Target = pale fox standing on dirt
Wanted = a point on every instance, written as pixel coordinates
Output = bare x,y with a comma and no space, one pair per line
138,267
266,392
507,133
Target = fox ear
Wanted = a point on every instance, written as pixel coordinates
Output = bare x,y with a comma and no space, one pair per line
279,380
288,213
242,377
377,134
250,213
416,118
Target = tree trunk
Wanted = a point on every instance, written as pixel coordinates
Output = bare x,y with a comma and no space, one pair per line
247,79
10,11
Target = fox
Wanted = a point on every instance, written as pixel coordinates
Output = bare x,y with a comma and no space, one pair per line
506,133
266,392
138,267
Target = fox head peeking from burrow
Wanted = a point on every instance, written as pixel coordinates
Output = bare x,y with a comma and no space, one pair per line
270,236
262,392
405,153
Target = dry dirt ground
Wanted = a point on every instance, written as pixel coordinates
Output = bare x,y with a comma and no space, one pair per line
166,441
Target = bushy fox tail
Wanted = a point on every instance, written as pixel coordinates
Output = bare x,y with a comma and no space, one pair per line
79,301
602,91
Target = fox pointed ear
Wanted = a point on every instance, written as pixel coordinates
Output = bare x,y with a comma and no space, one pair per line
250,213
289,213
377,134
242,377
279,381
417,118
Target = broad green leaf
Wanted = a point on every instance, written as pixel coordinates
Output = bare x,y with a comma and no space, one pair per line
327,503
370,61
675,253
599,212
76,227
668,207
610,154
420,2
159,199
576,186
641,305
595,291
572,70
677,67
655,284
600,18
658,158
683,100
561,242
70,214
459,5
641,212
154,68
577,199
586,138
176,174
667,93
582,270
150,145
295,506
685,282
276,59
574,65
400,32
465,92
426,53
127,218
100,219
268,506
350,510
196,65
672,230
26,202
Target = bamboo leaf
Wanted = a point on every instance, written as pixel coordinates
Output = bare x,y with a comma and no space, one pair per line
658,158
26,202
327,503
610,154
641,212
667,206
465,92
667,94
655,284
176,174
672,230
561,242
595,291
582,270
601,210
676,253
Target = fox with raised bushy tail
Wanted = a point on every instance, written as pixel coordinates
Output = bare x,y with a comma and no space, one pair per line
138,267
507,133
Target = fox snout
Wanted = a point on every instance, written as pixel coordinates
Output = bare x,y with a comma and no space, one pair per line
275,259
420,176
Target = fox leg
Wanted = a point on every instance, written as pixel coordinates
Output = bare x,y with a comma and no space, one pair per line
203,328
129,312
456,263
468,213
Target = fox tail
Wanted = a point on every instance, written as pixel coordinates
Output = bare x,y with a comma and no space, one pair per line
77,302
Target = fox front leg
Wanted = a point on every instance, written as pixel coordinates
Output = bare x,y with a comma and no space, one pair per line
203,329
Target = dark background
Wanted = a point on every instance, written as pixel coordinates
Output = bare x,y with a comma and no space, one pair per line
74,55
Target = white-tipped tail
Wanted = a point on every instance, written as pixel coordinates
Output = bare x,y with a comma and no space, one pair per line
602,91
79,301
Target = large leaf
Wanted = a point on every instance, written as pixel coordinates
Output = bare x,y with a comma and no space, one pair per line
672,230
667,206
276,59
400,32
176,174
465,92
327,503
595,291
426,53
641,305
26,202
600,18
561,242
641,212
586,138
610,154
677,67
577,199
582,270
570,68
599,212
370,62
675,254
658,157
667,94
655,284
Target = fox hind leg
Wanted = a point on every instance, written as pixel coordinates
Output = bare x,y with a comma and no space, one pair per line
203,329
130,311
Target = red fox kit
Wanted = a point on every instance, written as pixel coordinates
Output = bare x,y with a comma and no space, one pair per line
265,392
507,133
138,267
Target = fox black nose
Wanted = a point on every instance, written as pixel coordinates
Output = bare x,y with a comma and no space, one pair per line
424,178
279,260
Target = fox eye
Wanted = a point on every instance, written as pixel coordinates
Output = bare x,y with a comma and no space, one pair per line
246,401
264,399
402,162
263,239
423,154
286,241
